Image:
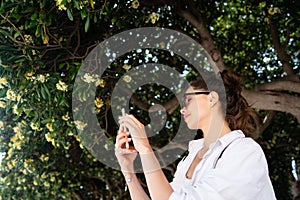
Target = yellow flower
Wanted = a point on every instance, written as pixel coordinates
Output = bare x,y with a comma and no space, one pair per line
24,171
44,176
11,95
35,183
2,104
17,129
100,83
50,138
15,109
70,133
153,17
14,138
273,10
77,138
67,146
9,153
98,102
135,4
17,145
62,86
60,5
27,163
46,184
1,125
66,117
3,82
126,67
34,126
127,78
44,158
49,126
28,75
52,179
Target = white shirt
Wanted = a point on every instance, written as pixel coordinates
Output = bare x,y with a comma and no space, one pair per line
241,173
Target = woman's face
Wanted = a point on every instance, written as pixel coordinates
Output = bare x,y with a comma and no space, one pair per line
197,108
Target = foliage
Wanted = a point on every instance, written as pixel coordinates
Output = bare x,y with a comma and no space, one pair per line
42,45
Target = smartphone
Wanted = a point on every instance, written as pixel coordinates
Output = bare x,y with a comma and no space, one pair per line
128,144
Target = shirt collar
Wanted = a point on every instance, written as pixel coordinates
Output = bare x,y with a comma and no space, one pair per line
224,141
228,138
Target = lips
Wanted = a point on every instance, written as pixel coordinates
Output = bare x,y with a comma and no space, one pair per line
186,116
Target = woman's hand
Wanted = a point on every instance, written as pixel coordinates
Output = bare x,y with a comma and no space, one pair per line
138,134
125,156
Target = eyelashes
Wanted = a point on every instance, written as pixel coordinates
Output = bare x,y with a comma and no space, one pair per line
186,101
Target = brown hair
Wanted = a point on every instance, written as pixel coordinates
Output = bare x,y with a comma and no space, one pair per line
239,115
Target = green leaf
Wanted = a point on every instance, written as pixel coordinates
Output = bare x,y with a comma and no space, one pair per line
43,93
38,31
87,24
70,15
6,33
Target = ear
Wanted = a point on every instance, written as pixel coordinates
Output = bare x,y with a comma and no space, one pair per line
213,98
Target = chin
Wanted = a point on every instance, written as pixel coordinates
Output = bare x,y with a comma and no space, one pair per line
192,127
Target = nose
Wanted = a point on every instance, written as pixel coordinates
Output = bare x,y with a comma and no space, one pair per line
183,110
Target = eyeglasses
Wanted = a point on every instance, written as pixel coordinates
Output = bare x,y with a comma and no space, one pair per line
185,100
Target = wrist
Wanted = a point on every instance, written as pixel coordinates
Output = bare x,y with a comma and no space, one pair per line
128,178
146,150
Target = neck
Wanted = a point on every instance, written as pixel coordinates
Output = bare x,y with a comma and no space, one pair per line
216,128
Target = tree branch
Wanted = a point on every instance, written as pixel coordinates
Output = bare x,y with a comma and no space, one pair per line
282,54
274,101
265,123
206,39
280,85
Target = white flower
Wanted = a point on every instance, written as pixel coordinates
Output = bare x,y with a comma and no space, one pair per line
80,125
41,78
88,78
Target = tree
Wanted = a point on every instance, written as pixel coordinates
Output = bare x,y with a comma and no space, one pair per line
43,44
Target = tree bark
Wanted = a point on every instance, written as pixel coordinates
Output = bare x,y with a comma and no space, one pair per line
274,101
280,85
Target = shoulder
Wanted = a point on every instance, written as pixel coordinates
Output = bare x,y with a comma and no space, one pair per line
247,149
249,143
238,140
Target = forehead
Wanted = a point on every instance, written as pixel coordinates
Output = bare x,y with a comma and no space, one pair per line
190,89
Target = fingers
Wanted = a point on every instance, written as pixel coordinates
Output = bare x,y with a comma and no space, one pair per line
135,127
122,139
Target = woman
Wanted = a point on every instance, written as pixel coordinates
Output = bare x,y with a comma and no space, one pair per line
223,165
